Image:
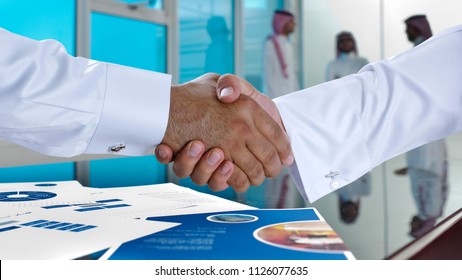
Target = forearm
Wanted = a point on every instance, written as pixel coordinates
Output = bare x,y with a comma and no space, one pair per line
353,124
60,105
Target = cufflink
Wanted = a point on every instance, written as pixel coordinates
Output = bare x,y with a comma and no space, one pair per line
334,184
117,148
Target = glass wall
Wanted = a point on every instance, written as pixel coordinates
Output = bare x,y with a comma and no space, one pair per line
57,20
206,37
258,15
128,42
386,220
137,44
207,44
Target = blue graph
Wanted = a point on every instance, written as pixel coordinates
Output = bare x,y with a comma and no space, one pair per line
22,196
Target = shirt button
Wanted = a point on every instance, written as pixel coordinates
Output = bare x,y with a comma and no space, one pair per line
334,184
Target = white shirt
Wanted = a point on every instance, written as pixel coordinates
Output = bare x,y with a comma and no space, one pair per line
352,124
275,84
60,105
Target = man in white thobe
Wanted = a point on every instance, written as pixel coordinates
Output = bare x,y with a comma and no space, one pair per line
427,164
279,78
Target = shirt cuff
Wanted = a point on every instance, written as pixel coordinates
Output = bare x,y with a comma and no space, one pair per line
326,137
135,112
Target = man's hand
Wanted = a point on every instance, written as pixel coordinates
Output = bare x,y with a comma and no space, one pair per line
210,166
242,133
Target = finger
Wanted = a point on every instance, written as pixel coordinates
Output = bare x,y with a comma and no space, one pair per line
268,156
245,160
207,166
238,180
218,180
164,153
230,87
275,134
187,158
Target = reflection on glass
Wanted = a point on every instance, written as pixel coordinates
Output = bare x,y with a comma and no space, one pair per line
427,169
426,165
348,61
206,37
385,223
219,53
349,198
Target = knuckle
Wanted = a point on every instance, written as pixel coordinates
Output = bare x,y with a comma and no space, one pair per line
273,171
276,131
257,181
198,179
241,127
272,163
238,181
180,172
217,186
271,157
254,170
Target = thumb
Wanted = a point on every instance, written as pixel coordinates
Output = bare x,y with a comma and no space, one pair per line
230,87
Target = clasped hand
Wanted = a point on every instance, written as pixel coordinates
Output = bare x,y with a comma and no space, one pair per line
236,144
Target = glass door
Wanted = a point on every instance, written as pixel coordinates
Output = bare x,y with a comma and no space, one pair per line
135,34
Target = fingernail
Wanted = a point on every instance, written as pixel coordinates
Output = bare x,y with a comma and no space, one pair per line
213,158
195,150
226,92
289,160
225,168
162,154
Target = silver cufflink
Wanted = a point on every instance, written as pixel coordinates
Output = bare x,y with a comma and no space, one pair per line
334,183
117,148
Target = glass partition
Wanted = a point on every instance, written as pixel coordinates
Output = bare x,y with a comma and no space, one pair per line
136,43
386,215
206,37
258,15
128,42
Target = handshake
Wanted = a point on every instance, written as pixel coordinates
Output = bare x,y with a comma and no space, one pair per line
222,132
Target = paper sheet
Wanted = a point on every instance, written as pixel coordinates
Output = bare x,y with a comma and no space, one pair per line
170,199
34,233
43,194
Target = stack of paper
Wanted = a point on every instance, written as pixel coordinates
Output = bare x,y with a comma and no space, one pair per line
64,220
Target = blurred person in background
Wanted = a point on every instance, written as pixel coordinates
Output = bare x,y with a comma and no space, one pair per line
279,78
427,165
346,62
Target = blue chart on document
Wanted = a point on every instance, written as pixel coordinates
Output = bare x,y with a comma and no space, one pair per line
21,196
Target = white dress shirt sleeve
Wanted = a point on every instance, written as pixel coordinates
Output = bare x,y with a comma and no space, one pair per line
342,129
61,105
